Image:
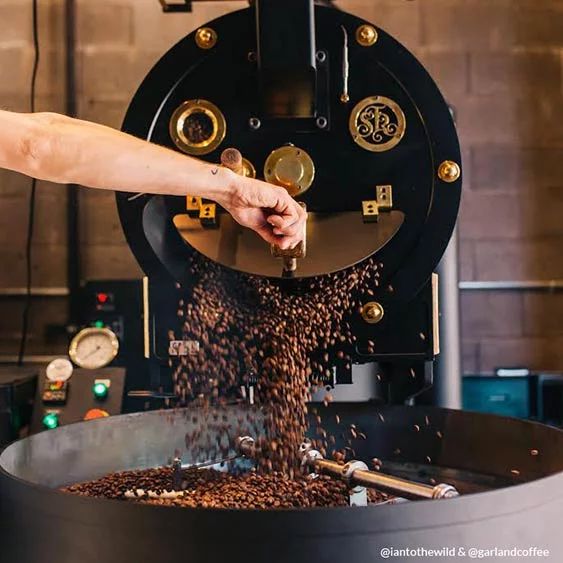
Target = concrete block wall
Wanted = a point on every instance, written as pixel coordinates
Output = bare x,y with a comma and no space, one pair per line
498,63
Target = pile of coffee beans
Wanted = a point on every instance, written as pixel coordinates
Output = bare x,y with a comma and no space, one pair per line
281,337
207,488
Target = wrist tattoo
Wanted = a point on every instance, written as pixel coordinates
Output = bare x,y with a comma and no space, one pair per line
214,171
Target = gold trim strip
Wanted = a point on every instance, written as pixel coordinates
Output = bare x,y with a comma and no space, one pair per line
436,313
146,313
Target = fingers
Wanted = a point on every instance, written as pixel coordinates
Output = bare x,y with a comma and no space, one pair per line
291,222
282,242
291,231
282,219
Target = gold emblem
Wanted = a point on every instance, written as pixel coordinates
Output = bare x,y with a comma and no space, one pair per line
377,124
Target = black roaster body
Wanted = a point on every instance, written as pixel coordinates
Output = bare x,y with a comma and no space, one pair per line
480,454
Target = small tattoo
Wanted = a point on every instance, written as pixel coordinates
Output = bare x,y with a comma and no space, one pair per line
214,171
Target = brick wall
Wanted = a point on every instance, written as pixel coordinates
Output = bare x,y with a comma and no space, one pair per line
499,64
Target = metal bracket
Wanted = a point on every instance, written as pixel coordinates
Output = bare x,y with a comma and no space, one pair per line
169,8
186,6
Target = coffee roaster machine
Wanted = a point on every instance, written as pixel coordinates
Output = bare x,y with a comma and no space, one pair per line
344,117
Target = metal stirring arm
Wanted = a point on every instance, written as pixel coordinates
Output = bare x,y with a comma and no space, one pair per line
357,474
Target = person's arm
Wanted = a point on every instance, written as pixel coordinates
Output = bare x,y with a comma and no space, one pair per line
59,149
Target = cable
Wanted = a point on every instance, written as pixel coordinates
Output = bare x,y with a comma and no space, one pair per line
31,209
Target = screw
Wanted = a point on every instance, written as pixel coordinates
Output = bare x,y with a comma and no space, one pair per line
322,122
321,56
252,57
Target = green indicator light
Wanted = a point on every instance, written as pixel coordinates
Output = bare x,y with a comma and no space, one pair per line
100,390
99,324
51,420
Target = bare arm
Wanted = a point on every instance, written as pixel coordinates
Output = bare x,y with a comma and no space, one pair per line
60,149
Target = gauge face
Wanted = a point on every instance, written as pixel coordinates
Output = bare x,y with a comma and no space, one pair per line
60,369
93,348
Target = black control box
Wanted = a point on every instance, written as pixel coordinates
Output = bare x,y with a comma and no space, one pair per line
87,395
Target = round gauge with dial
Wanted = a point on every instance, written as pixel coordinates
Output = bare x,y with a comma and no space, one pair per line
60,369
94,348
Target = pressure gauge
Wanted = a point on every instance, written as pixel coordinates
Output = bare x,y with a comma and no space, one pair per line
60,369
93,348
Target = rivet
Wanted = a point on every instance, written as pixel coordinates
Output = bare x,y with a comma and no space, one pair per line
372,312
366,35
206,38
449,171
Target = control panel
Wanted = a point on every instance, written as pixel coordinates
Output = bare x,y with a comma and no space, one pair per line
86,395
114,307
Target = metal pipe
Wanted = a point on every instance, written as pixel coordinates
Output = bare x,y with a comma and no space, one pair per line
72,203
447,381
511,285
35,292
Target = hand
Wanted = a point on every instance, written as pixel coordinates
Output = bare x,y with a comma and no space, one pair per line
269,210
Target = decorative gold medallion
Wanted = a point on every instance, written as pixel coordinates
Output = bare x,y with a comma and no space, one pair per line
198,127
377,124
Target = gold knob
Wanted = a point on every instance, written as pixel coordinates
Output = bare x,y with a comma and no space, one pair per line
206,38
232,159
449,171
366,35
291,168
372,312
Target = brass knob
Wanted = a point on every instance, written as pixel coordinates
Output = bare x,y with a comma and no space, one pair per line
366,35
449,171
291,168
233,159
372,312
206,38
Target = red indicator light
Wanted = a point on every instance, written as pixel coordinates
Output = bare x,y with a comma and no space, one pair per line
102,297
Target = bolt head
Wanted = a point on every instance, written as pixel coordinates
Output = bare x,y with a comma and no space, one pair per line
449,171
206,38
372,312
366,35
